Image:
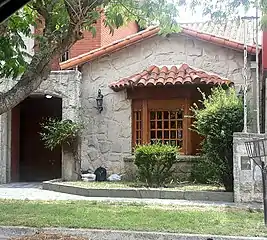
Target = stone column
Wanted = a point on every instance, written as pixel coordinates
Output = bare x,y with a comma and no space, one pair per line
5,146
71,110
247,175
70,167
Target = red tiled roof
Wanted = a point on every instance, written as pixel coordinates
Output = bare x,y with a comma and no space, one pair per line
148,33
173,75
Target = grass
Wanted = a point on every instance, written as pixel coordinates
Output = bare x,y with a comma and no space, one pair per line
121,184
85,214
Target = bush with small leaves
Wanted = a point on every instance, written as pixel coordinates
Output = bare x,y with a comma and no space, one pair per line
220,117
57,132
154,163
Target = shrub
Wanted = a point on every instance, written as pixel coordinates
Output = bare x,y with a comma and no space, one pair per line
154,163
57,132
220,117
205,172
63,133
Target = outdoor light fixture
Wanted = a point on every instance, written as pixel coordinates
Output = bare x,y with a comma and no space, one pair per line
257,151
48,96
99,101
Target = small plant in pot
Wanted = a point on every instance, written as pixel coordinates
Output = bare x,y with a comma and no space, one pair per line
55,132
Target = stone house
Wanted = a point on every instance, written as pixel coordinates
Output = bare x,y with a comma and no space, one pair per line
148,83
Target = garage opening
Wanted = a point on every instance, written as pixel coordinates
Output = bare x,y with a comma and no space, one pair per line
30,160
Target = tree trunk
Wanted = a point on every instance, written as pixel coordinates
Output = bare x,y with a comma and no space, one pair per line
38,71
28,83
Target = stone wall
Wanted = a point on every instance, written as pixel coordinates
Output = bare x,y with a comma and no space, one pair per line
63,84
107,136
247,175
182,169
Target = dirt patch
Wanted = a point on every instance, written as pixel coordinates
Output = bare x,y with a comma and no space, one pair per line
43,236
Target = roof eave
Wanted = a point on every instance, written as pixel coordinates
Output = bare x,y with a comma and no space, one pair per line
146,34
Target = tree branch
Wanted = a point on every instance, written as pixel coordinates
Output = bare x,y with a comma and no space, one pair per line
37,72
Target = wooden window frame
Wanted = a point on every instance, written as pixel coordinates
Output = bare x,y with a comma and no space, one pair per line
145,106
188,94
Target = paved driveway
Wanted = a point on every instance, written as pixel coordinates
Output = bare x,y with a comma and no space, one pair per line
34,191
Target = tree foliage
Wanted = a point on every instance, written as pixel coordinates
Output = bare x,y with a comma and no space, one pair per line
63,22
58,132
220,117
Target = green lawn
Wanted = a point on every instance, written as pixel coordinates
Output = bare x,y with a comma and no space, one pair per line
84,214
121,184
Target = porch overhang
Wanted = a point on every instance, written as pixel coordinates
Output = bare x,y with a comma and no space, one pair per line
169,76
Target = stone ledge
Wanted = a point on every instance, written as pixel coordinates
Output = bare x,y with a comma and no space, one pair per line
140,193
180,158
11,231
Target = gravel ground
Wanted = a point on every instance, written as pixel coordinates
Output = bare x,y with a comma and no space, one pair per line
43,236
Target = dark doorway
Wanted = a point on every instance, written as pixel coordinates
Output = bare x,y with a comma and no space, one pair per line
35,162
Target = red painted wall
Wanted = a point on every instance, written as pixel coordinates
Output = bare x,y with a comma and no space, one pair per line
119,33
264,50
102,38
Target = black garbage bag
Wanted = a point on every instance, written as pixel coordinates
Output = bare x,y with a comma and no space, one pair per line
101,174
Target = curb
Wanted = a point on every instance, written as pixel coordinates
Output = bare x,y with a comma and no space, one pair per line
115,235
140,193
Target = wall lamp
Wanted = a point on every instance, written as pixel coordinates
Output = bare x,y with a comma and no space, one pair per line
99,101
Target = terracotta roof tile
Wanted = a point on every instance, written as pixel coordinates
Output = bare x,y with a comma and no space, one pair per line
232,30
173,75
203,33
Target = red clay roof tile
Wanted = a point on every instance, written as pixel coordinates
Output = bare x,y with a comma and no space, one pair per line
148,33
160,76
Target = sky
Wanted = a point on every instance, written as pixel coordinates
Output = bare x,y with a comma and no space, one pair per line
188,16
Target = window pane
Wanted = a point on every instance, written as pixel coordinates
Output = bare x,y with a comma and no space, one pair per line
159,124
166,142
159,134
179,134
159,115
166,127
180,114
173,124
172,115
152,115
166,124
138,115
166,115
137,123
173,134
152,125
166,134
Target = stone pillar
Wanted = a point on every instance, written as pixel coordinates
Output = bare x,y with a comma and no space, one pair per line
5,147
71,110
247,175
68,166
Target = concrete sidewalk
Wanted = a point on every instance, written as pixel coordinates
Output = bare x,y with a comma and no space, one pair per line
34,191
91,234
